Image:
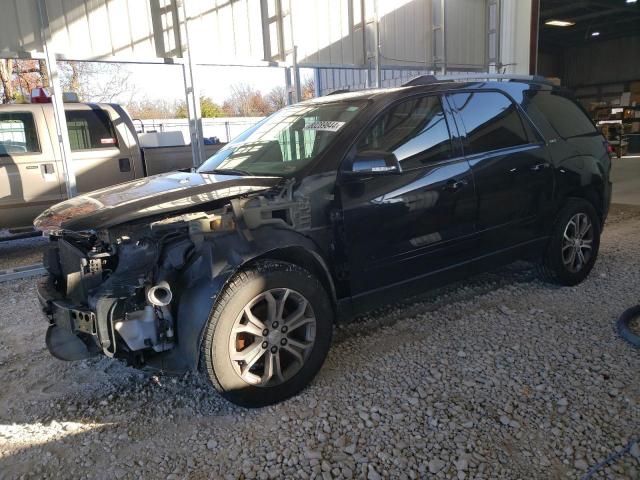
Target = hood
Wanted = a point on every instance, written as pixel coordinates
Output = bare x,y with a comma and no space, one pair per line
158,194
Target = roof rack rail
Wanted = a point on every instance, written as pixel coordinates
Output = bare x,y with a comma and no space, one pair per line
428,79
337,92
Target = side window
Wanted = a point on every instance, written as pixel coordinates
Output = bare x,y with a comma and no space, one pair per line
17,133
490,119
415,131
90,129
557,116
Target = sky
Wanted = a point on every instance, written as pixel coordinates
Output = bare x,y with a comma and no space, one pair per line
166,81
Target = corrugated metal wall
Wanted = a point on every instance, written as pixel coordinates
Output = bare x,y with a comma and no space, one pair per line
326,32
466,34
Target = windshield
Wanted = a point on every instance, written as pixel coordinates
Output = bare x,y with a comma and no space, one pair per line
284,142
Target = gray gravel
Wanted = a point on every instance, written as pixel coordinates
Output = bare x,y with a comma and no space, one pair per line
18,253
501,376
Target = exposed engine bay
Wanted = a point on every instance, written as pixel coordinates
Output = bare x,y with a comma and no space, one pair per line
123,291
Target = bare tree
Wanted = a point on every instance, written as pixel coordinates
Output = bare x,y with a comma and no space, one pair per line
6,78
95,82
308,89
19,77
147,109
276,98
245,101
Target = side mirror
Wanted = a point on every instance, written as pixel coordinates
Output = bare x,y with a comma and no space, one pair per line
375,162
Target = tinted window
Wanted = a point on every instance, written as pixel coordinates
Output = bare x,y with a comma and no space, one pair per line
17,133
415,131
557,116
287,140
491,121
89,129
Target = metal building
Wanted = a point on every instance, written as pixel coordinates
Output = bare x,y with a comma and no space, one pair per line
356,43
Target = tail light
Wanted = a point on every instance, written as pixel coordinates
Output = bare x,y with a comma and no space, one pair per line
610,150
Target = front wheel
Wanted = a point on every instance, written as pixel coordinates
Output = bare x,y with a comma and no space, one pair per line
268,334
574,244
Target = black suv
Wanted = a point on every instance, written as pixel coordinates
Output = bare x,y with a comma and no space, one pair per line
325,208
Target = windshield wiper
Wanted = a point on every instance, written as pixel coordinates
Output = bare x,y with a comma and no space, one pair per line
230,171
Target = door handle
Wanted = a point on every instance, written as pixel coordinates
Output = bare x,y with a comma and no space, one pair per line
455,184
125,164
48,172
539,166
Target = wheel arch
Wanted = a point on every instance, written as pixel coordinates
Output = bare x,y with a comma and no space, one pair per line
197,301
304,258
584,178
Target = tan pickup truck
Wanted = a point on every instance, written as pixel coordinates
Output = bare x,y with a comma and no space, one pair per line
105,151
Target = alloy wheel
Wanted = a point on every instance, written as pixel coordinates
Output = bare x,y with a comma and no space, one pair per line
272,337
577,242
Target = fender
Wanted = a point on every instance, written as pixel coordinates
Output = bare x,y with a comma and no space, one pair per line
219,259
583,177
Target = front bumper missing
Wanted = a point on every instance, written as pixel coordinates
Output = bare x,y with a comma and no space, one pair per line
72,330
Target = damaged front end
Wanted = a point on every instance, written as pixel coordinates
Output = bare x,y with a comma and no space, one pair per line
109,295
142,291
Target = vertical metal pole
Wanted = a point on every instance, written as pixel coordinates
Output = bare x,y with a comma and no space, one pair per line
192,94
287,86
297,90
377,51
58,106
444,36
316,82
294,60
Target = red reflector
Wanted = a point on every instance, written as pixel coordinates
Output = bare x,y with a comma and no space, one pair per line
40,95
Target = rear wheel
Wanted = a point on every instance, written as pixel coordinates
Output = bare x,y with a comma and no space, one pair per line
267,335
573,247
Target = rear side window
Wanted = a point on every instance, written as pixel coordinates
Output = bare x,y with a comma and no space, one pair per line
17,133
556,115
90,129
490,119
415,131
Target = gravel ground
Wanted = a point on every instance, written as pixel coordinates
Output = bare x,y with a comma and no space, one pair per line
500,376
18,253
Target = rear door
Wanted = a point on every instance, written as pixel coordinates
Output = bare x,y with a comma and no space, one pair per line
511,167
30,175
402,227
100,153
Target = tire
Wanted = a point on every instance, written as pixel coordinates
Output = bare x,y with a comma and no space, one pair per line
233,354
554,266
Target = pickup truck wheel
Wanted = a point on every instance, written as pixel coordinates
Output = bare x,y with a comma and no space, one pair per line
267,335
573,247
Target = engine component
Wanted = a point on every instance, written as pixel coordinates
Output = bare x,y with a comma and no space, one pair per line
140,330
160,295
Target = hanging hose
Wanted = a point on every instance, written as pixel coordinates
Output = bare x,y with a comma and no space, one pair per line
623,325
610,459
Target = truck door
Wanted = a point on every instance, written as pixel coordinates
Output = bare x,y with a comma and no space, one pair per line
100,153
29,173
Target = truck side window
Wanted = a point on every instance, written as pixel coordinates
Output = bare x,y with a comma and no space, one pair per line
90,129
415,131
491,121
17,133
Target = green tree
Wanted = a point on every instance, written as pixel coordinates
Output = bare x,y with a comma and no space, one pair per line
208,109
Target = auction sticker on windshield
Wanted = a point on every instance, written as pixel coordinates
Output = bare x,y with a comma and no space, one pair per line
324,126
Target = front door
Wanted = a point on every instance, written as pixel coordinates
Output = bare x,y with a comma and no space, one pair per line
403,227
511,168
100,154
30,175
